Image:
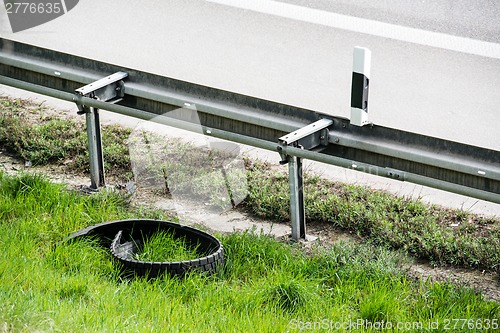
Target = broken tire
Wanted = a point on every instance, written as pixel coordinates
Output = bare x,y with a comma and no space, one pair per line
124,239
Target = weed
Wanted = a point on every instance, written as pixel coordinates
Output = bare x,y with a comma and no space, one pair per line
54,140
164,246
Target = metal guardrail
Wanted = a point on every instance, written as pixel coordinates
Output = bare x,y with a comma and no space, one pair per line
451,166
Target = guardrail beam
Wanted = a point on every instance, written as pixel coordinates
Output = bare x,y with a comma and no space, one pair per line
443,164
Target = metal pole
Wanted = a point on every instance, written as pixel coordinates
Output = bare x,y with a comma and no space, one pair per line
95,148
297,212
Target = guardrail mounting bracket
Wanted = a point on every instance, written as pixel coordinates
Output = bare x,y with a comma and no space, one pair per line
309,137
109,89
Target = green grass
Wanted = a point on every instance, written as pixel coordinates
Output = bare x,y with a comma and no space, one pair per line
29,134
264,286
442,236
164,246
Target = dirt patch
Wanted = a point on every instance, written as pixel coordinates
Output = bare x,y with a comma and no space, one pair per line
486,283
191,212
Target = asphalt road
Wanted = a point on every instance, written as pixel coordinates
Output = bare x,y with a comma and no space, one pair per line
435,64
472,19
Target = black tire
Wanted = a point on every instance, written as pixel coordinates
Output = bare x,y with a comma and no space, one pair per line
124,239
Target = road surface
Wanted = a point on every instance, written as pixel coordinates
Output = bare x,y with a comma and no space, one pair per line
435,65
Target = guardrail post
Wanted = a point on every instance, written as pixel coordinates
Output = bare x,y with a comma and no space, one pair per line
109,89
95,148
312,136
297,211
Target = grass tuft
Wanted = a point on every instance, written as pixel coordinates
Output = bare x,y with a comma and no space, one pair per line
28,134
287,295
163,246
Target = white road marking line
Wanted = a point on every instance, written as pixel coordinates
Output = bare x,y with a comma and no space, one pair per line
370,27
63,2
